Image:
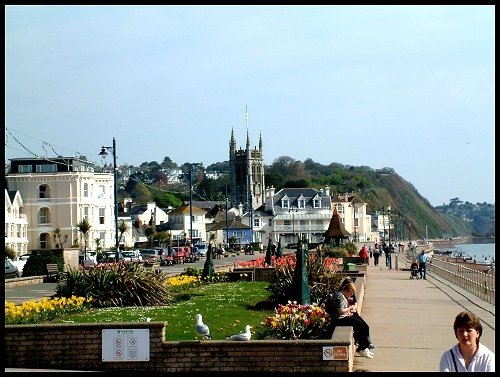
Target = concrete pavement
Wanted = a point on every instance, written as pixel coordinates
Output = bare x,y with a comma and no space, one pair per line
411,321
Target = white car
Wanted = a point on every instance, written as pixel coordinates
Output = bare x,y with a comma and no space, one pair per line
132,255
20,262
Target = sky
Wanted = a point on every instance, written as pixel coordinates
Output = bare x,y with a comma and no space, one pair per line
405,87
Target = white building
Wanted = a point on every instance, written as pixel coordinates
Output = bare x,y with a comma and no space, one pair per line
59,193
16,223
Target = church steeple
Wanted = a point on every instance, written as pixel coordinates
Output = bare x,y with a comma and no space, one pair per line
260,141
232,144
248,141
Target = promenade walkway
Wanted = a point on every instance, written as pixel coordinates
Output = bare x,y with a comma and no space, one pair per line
411,321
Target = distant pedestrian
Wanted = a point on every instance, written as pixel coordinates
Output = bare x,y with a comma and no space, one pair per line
376,255
422,258
388,252
370,250
363,254
469,355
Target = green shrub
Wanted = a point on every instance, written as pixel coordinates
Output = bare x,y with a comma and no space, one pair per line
117,284
323,281
36,263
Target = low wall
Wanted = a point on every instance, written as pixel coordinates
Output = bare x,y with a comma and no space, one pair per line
80,347
19,282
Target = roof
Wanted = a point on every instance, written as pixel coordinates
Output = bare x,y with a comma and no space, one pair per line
336,228
184,209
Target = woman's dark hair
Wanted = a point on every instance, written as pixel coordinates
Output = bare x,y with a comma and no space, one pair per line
470,320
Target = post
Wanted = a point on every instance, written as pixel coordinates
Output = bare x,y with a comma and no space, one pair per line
227,231
115,179
190,204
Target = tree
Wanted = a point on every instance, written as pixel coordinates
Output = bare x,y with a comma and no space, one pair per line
122,228
150,233
167,199
57,236
84,228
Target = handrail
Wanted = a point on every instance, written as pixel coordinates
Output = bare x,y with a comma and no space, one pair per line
476,282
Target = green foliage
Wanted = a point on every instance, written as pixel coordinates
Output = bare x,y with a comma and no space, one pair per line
335,251
117,284
225,307
323,281
36,263
10,252
166,199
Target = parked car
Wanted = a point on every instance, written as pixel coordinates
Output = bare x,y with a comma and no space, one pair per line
201,249
110,257
11,271
132,255
150,255
20,262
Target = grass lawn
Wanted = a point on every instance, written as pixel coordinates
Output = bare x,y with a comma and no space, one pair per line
226,308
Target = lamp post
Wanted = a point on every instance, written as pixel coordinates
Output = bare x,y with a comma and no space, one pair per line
354,221
292,211
103,154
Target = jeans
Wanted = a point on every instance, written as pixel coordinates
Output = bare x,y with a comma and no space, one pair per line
421,268
388,260
360,328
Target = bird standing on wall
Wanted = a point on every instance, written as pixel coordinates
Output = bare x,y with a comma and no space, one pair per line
247,335
201,328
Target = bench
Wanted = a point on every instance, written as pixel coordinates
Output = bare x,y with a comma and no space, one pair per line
88,263
53,272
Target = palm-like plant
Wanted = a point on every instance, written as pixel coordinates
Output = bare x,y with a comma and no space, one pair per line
122,229
84,228
58,238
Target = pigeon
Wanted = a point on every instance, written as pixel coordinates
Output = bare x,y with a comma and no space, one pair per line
201,328
243,336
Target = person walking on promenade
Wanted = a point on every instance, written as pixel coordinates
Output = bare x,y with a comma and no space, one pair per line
376,255
469,355
387,251
343,315
422,258
363,254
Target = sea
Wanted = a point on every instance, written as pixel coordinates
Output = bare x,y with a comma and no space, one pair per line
478,251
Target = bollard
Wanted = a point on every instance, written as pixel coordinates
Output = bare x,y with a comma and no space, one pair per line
396,260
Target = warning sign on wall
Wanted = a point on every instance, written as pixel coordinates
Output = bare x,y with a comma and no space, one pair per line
125,345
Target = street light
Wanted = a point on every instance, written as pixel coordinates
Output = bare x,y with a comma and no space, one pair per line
353,221
103,154
293,211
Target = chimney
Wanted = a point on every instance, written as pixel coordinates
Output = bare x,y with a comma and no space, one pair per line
240,209
326,190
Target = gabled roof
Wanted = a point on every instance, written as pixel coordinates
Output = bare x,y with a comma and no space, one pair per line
336,228
308,194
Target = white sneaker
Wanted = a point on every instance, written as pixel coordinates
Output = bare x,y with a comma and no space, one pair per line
366,353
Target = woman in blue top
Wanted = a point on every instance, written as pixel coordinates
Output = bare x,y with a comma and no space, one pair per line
469,355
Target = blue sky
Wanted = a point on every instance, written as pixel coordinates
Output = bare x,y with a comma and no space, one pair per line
406,87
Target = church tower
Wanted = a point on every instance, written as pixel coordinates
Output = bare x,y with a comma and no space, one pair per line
246,173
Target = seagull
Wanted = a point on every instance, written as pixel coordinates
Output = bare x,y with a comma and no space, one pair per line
243,336
201,328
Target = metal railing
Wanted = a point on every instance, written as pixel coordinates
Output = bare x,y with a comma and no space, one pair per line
476,282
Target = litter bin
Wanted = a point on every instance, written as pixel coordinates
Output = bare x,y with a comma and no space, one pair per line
351,267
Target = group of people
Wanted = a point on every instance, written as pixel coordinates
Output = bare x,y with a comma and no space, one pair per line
379,249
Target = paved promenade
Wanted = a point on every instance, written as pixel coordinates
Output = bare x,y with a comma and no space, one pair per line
411,321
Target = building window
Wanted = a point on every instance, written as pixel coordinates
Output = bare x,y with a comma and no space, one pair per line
102,211
47,168
285,203
102,191
85,190
25,168
316,202
43,191
43,216
256,222
102,237
44,241
86,213
301,203
270,222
